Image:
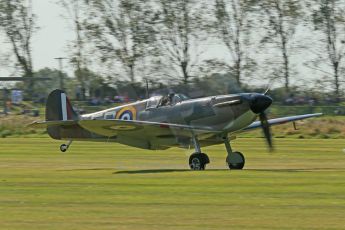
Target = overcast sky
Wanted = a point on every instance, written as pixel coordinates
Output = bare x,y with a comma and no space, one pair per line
51,39
54,33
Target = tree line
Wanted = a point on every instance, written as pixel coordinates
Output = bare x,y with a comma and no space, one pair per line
170,41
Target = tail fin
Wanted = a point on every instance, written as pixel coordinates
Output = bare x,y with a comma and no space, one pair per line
59,108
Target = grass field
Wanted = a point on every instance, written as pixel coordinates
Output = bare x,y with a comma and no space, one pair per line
110,186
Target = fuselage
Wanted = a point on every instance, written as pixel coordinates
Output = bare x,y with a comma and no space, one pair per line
228,113
164,121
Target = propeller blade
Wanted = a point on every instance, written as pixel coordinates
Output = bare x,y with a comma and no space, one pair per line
266,129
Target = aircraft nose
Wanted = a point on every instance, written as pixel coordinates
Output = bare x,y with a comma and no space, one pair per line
259,103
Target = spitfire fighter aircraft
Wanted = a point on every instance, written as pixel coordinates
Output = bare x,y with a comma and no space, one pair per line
161,122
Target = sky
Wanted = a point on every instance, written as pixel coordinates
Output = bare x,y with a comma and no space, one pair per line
51,39
54,33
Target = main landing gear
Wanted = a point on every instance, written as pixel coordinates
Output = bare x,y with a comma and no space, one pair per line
198,160
234,160
64,147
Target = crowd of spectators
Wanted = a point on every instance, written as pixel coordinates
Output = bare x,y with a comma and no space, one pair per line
97,101
300,100
307,100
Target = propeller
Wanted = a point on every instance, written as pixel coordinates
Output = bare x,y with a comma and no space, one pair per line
267,90
258,104
266,130
269,86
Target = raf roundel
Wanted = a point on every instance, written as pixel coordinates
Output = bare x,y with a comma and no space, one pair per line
127,113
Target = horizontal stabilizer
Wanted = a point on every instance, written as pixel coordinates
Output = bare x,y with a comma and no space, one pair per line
46,124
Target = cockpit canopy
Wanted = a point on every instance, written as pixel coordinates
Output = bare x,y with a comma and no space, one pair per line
153,102
167,100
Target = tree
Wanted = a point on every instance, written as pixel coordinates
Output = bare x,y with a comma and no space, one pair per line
181,26
121,31
282,17
4,55
44,87
73,11
329,18
233,30
18,23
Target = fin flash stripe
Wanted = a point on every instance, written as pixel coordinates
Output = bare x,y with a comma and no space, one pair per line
64,106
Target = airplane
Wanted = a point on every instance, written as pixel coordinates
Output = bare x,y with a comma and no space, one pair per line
162,122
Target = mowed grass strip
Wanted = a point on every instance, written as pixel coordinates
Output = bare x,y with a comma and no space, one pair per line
111,186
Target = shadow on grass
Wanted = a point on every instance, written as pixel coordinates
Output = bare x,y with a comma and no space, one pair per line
131,171
148,171
152,171
167,171
145,171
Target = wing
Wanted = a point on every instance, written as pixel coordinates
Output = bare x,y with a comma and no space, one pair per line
283,120
114,127
129,129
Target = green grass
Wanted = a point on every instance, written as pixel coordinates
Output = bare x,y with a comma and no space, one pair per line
110,186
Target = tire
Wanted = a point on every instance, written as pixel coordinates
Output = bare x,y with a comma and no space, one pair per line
236,161
63,148
198,161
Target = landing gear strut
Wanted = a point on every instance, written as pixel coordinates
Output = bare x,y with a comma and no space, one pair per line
64,147
234,160
198,160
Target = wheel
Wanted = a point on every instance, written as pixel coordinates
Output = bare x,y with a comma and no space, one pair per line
63,148
235,160
198,161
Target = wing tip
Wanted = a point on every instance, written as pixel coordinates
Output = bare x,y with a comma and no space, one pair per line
36,124
316,114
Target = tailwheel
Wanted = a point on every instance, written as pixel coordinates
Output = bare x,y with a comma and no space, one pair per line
198,161
235,160
63,148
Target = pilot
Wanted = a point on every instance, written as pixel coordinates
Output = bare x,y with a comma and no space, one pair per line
164,101
170,98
